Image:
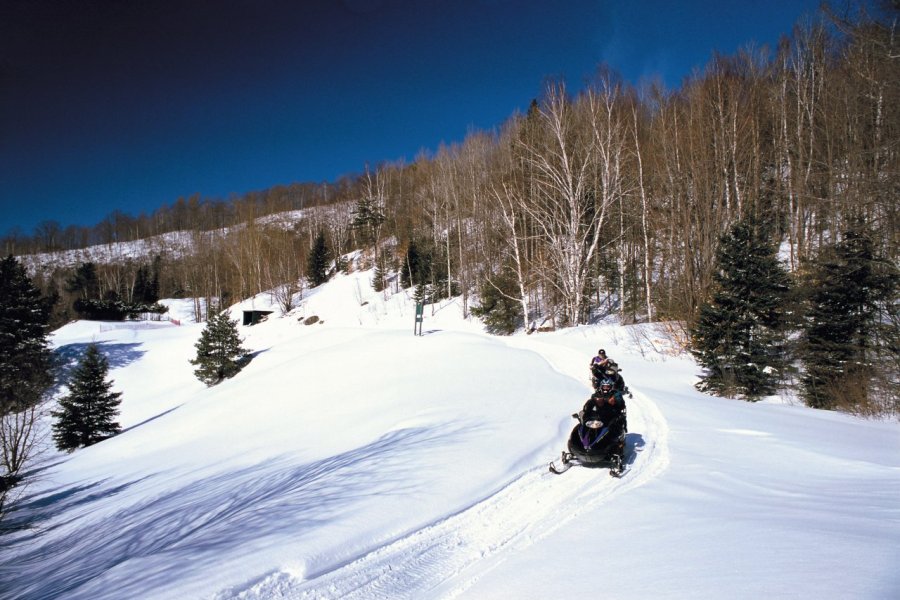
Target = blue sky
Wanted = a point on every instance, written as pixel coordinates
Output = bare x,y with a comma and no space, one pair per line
130,105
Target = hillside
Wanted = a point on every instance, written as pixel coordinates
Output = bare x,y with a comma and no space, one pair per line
352,459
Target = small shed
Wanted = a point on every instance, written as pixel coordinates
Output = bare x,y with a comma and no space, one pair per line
252,317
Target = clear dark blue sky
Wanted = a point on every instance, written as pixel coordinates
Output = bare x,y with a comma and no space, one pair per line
130,104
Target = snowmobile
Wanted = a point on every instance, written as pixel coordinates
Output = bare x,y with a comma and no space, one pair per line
611,371
594,443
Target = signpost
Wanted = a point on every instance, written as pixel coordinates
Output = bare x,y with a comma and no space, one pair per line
420,311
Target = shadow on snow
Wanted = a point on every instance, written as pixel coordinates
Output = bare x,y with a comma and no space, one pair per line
117,354
634,443
180,529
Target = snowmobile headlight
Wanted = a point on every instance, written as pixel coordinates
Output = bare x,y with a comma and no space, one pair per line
593,424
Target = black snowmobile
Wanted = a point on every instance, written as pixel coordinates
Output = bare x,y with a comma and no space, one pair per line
597,441
610,371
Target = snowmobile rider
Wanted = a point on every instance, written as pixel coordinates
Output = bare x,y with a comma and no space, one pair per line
598,366
606,404
612,372
600,361
602,367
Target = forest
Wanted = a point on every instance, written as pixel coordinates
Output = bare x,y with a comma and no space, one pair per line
612,199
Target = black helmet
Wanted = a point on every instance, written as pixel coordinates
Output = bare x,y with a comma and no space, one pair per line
606,386
601,352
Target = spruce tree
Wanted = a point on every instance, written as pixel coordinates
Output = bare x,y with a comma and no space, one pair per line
26,370
740,335
417,266
379,277
85,282
850,323
499,308
219,351
145,288
88,413
421,293
368,218
26,362
319,261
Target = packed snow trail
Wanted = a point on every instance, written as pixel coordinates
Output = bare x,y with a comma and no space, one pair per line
447,557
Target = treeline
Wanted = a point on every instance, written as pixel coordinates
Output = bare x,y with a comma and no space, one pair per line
616,197
186,214
611,199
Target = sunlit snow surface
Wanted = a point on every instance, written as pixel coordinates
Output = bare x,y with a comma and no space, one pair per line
352,459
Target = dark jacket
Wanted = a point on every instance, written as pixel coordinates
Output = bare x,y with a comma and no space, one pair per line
619,382
605,407
598,366
608,370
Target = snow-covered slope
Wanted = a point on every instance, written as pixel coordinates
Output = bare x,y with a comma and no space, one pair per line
352,459
174,244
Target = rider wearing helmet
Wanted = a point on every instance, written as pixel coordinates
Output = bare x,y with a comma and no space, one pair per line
607,404
607,393
603,367
612,372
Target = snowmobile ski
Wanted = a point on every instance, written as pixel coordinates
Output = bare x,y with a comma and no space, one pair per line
566,460
558,470
617,469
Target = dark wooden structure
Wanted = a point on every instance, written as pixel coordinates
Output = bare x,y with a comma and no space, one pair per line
252,317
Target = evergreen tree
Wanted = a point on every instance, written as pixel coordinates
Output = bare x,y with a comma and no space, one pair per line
26,370
85,282
421,293
500,310
740,335
850,323
26,361
146,286
219,351
417,267
153,287
88,414
319,261
379,277
368,218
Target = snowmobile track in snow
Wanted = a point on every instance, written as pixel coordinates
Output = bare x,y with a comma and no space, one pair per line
447,557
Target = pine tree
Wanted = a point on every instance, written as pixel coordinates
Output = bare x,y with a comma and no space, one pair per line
85,282
25,357
319,261
379,277
421,293
146,288
499,309
850,323
740,335
368,218
26,370
219,351
417,266
88,414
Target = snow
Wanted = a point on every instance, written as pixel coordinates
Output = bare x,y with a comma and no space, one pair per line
352,459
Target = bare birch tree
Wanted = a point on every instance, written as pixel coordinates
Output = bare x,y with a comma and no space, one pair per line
563,208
